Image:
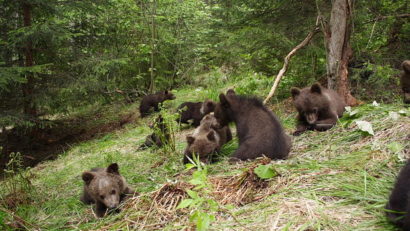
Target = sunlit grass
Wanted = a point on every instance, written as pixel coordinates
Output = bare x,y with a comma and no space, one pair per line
334,180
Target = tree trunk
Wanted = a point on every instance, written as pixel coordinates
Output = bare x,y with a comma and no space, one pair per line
28,87
152,74
339,50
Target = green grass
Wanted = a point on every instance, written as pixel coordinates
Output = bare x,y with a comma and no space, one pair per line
334,180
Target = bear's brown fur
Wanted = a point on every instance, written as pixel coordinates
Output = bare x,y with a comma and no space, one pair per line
258,129
154,100
105,187
319,108
399,202
405,81
207,107
208,138
159,137
190,111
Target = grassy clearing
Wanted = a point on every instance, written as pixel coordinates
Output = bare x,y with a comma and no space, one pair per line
335,180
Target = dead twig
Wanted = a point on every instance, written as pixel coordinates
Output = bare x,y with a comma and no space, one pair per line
287,59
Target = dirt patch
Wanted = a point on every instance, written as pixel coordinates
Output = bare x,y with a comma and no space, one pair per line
54,137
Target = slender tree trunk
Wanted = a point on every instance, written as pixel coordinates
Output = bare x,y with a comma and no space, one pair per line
152,80
339,50
28,87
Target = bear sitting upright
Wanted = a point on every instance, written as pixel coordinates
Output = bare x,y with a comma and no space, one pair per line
399,201
258,130
405,81
153,100
319,108
207,139
105,187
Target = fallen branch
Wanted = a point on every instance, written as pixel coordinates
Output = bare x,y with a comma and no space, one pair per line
287,58
379,18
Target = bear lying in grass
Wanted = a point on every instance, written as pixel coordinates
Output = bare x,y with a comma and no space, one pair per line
319,108
154,100
259,131
405,81
207,139
399,202
195,111
105,187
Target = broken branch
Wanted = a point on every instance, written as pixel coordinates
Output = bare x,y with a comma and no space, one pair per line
287,59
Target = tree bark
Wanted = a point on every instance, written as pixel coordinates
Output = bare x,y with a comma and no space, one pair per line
153,44
339,50
29,106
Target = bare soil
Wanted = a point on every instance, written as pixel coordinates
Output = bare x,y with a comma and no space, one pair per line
46,143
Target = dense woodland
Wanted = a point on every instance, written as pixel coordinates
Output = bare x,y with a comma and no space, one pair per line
59,55
72,71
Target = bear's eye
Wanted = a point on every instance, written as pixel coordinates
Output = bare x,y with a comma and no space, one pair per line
102,197
113,192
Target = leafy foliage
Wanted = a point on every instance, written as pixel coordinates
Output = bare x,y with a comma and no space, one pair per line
265,171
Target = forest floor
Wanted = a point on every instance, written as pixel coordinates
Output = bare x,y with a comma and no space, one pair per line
334,180
55,135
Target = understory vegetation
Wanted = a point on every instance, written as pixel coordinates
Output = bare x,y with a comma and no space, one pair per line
334,180
73,73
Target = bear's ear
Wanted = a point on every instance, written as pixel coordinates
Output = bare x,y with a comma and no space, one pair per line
210,105
211,136
223,100
190,139
316,88
294,91
113,168
230,92
87,177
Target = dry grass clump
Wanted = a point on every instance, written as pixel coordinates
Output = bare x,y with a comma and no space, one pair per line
243,188
309,214
152,211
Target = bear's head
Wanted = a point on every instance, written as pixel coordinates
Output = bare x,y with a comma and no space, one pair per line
209,121
201,146
406,66
207,107
105,187
224,109
168,95
310,101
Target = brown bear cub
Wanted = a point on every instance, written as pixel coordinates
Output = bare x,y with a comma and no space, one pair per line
195,111
153,100
208,106
105,187
159,137
190,111
399,202
405,81
207,139
259,131
319,108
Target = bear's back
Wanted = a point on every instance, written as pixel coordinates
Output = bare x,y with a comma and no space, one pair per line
336,102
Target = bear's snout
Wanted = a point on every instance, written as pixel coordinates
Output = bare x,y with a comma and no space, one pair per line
112,201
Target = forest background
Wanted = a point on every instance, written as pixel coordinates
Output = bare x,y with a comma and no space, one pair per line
75,70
